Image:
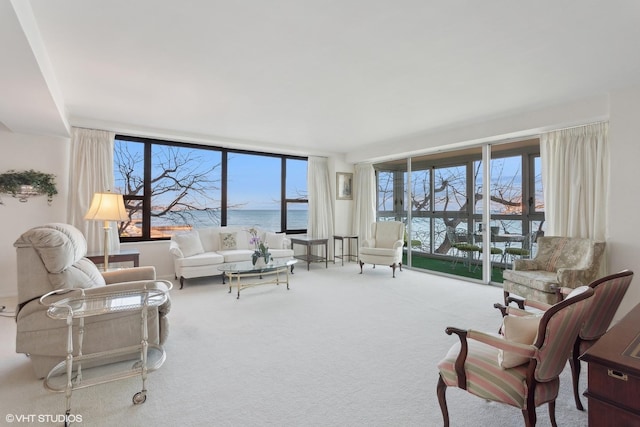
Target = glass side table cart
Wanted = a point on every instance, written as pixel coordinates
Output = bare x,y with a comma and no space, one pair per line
85,370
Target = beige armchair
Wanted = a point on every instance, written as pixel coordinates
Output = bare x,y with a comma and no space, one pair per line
385,246
559,262
52,257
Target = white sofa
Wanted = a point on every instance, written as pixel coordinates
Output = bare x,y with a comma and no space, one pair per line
200,252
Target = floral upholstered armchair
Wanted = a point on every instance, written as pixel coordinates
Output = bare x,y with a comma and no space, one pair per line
559,262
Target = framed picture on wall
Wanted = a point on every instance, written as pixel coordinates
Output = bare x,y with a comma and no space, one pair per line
344,186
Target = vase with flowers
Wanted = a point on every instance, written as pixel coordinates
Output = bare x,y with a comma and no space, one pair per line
261,250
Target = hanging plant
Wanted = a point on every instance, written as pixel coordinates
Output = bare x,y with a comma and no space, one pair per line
25,184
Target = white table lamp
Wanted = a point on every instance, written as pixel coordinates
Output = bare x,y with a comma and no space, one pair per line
107,207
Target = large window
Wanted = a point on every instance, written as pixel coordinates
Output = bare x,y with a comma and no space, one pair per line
170,187
439,193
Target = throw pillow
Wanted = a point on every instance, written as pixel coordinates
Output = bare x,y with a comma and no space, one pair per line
274,240
189,243
228,241
520,329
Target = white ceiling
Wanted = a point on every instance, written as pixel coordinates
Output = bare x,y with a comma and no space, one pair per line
305,75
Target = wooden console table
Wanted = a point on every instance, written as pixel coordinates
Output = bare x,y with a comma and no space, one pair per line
614,374
124,255
308,242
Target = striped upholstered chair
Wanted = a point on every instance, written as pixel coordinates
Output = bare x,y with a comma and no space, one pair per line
478,363
608,294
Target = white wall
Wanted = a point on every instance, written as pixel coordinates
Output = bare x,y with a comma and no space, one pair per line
343,208
24,152
518,125
156,254
624,201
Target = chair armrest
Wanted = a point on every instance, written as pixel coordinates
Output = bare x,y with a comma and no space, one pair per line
523,303
573,277
129,274
526,350
518,301
398,244
502,308
526,264
537,304
174,250
494,340
368,243
513,311
562,292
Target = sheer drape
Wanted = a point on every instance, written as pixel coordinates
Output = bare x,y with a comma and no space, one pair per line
91,171
364,192
320,200
575,176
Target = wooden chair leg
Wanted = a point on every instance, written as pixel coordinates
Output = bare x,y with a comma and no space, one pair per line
393,268
530,412
361,264
575,373
442,399
529,417
552,413
506,297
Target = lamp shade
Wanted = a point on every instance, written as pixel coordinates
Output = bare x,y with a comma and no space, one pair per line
107,207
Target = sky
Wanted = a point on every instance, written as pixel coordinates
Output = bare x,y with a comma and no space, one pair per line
253,180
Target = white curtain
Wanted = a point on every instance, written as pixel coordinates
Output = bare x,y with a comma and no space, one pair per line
575,177
91,171
364,193
320,201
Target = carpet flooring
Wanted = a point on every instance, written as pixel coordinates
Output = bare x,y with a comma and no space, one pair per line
337,349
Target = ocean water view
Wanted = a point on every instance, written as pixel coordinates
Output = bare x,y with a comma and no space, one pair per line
263,218
267,219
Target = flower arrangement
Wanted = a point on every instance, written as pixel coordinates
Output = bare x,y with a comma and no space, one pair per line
261,249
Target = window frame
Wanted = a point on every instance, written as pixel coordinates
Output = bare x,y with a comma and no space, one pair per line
459,158
148,144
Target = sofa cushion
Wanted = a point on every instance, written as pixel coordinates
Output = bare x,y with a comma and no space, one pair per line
544,281
189,243
210,238
275,240
236,255
203,259
388,252
228,241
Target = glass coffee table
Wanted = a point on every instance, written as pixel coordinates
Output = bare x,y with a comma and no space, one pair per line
238,271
